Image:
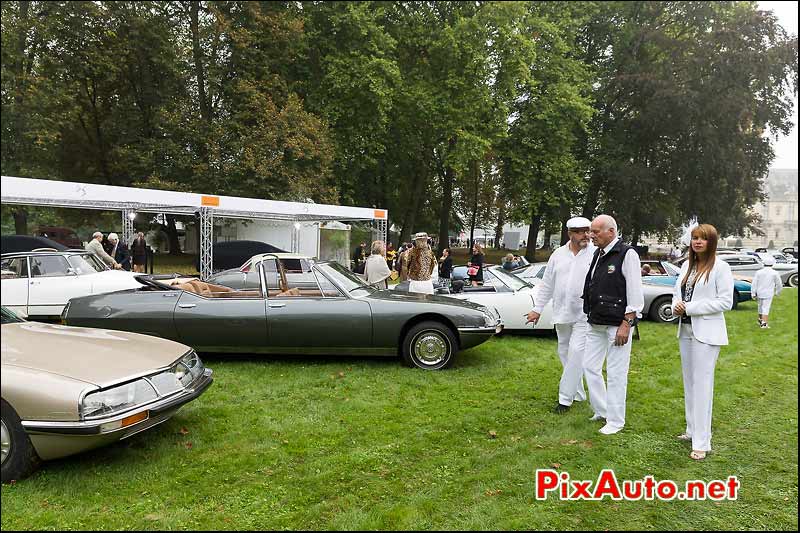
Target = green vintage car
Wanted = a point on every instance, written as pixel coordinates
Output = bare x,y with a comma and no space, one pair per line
327,310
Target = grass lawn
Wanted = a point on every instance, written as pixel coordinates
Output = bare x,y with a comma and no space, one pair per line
364,443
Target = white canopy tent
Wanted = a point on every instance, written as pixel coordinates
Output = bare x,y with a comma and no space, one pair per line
130,200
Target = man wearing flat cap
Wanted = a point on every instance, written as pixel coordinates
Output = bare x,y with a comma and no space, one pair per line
419,263
563,284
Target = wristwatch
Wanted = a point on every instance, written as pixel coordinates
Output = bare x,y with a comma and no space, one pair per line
631,321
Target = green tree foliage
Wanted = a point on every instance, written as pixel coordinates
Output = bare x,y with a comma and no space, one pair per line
448,114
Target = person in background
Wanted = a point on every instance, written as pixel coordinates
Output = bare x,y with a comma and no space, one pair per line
476,265
391,255
376,271
139,252
420,262
445,266
119,251
702,292
646,269
509,263
96,247
766,285
359,258
401,262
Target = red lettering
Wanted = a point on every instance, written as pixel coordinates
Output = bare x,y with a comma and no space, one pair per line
695,490
649,487
632,490
733,488
581,490
546,481
607,486
716,490
666,490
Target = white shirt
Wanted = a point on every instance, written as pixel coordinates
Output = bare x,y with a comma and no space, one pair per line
563,282
766,283
632,270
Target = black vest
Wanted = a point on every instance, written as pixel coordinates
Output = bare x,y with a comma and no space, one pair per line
605,294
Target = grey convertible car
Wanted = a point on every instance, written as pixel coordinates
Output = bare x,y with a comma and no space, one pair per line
327,310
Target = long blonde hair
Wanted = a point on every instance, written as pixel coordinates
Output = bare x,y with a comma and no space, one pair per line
709,233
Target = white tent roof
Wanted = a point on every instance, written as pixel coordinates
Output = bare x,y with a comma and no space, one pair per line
29,191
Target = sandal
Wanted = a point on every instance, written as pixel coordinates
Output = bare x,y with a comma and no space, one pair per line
684,436
698,455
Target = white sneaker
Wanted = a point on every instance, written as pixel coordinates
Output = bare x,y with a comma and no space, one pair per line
609,430
764,326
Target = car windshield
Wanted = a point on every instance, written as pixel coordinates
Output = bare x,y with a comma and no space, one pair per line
348,281
86,264
671,269
9,317
510,279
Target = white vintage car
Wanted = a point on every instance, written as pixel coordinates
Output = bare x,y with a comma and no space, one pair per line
39,284
510,295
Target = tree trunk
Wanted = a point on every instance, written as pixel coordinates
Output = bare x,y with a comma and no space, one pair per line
592,195
447,201
637,234
501,221
533,234
14,156
20,220
548,235
410,217
564,217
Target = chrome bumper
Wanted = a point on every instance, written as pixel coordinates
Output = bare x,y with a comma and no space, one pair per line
157,413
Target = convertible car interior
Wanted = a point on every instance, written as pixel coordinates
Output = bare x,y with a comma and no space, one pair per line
210,290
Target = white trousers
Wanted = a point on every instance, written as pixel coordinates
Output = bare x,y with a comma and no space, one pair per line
698,361
571,347
424,287
608,403
764,305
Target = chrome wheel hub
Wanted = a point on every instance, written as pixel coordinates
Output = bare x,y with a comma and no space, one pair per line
430,348
665,312
5,440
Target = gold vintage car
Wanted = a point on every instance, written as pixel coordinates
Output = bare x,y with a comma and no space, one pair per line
66,390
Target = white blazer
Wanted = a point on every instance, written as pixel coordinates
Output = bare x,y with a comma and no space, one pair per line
709,299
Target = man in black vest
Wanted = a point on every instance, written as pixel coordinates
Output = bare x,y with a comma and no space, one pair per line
613,301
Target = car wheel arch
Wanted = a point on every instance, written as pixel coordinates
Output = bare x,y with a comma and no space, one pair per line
425,317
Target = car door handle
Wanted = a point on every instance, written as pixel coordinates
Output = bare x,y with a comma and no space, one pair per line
35,282
187,306
275,305
170,295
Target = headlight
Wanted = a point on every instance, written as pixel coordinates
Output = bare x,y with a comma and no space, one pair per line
189,368
490,316
118,399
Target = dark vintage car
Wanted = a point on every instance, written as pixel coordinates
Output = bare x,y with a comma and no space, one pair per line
232,254
25,243
341,314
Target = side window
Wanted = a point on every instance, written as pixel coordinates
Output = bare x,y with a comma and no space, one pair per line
14,268
329,290
731,261
48,266
540,274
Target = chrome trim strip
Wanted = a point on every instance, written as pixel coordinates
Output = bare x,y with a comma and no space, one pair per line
482,329
92,427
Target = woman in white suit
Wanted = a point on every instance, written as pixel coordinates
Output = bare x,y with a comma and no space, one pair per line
703,291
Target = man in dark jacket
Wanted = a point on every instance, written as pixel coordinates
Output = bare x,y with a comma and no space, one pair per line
612,300
119,251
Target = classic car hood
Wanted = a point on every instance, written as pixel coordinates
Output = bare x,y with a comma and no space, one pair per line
97,356
390,295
